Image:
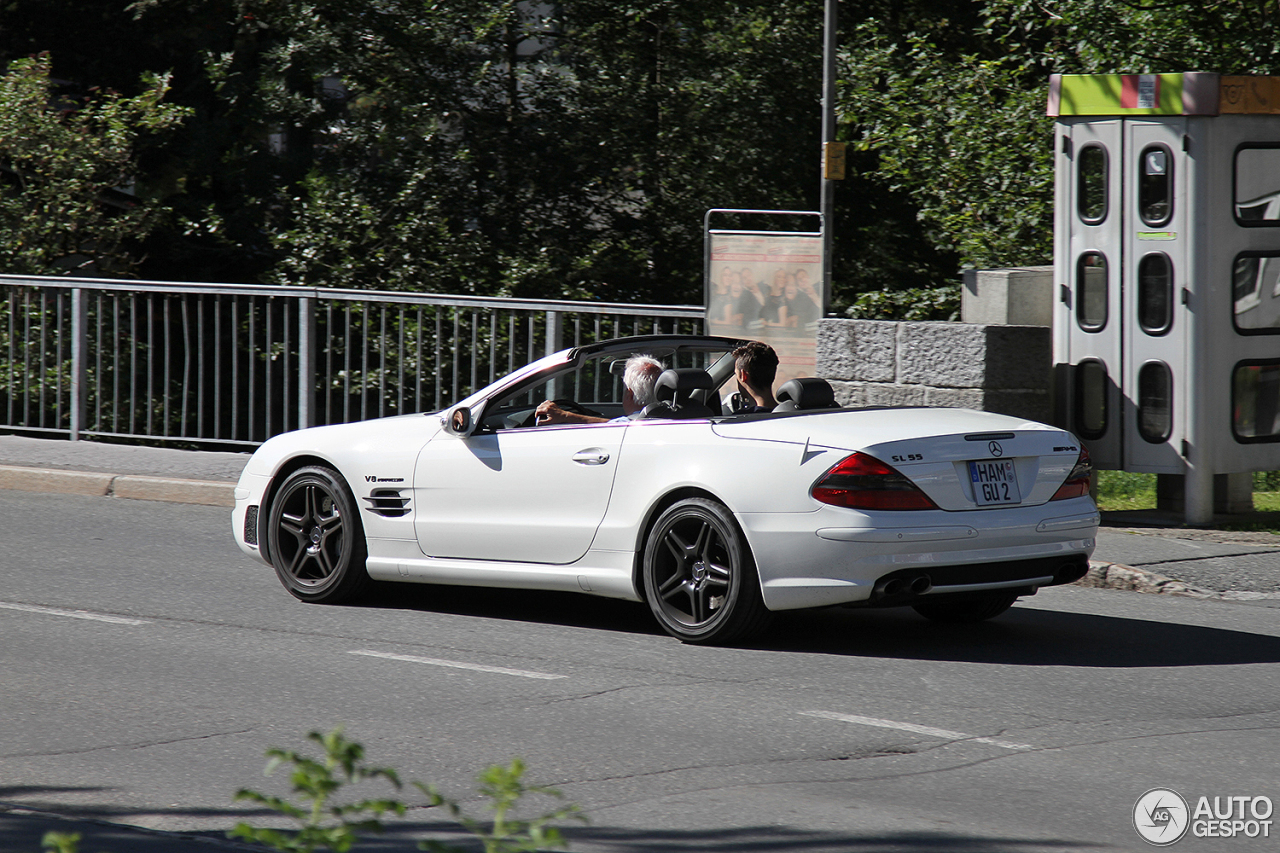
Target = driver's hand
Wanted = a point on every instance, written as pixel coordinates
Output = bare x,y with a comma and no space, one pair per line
549,413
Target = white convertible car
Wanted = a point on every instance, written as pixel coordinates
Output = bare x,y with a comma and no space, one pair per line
714,519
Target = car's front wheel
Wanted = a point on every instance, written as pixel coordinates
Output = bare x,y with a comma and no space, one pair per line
967,609
699,578
315,539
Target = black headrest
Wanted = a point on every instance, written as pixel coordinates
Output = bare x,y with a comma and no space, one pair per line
678,383
808,392
673,390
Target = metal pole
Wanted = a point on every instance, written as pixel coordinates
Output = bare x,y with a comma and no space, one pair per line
79,354
555,331
306,360
828,135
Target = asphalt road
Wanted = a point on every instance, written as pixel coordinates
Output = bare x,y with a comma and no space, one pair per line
145,665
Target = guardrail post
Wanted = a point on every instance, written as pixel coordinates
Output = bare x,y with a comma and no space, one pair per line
306,360
79,355
555,331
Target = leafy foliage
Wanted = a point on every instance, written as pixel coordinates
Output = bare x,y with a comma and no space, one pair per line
496,147
65,160
1137,36
952,103
323,825
571,149
61,842
966,137
916,304
484,146
505,787
328,825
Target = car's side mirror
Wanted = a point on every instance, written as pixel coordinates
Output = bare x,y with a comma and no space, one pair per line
459,421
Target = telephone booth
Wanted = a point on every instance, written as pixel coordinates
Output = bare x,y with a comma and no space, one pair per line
1167,265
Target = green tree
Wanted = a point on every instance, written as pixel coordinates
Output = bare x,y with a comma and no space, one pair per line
490,146
74,198
951,106
501,148
485,145
1136,36
964,135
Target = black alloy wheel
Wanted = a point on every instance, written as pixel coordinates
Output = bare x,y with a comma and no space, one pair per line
315,539
699,578
976,608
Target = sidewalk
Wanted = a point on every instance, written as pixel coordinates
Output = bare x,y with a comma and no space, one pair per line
1145,552
118,470
1153,554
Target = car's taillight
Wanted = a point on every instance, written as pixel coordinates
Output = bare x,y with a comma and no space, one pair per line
1077,483
863,482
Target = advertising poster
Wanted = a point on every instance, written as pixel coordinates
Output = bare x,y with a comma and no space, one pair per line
768,287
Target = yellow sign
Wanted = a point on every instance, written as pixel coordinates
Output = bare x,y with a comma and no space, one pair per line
833,161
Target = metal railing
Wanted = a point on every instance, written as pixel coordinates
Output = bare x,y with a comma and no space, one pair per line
237,363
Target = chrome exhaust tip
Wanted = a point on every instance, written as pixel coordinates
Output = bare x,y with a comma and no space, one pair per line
893,587
921,585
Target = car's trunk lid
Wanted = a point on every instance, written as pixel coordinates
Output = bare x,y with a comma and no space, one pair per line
962,459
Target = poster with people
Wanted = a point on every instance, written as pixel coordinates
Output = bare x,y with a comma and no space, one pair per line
768,287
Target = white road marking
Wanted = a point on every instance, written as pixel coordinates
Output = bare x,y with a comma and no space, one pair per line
912,727
500,670
74,614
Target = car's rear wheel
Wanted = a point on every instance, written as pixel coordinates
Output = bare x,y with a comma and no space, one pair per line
315,539
967,609
699,578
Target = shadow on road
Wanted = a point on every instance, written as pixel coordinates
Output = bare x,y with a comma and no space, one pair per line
1021,637
743,839
21,831
25,817
518,605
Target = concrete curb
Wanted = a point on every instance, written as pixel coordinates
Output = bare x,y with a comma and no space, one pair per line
1103,575
131,486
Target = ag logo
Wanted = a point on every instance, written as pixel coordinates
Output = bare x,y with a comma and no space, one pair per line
1161,816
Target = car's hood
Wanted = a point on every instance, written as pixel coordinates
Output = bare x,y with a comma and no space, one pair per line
346,441
860,429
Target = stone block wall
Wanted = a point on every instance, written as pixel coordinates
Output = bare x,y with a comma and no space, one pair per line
1020,296
1001,369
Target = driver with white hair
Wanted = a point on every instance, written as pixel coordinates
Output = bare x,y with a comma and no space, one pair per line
638,380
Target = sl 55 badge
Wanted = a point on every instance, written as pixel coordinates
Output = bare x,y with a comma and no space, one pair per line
907,457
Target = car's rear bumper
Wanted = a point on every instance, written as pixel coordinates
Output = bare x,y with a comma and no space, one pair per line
835,556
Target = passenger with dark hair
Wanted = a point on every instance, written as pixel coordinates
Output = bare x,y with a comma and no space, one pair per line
755,365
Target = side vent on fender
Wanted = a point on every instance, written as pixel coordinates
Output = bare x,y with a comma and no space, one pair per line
388,503
251,526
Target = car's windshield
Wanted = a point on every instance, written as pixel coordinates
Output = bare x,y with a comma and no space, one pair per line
593,386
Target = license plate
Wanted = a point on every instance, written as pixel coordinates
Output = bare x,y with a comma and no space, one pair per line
994,482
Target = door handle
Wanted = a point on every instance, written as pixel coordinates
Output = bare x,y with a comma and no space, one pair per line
591,456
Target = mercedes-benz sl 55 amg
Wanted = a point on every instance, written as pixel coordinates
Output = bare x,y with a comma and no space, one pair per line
714,519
